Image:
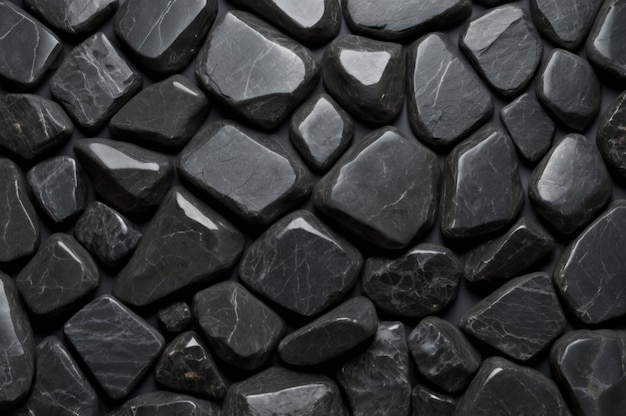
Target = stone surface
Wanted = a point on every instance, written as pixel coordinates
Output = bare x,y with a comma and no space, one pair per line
332,334
421,282
561,195
565,23
73,16
611,135
241,329
321,130
301,264
164,403
175,318
151,119
447,100
384,189
605,48
186,243
568,87
429,402
93,82
367,77
117,345
164,35
265,78
520,319
443,355
482,190
251,173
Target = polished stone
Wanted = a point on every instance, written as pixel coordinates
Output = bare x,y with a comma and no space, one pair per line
384,189
447,100
117,345
175,318
482,190
562,195
301,264
73,16
605,46
164,403
185,244
367,77
251,173
419,283
332,334
565,22
427,402
263,79
611,135
94,81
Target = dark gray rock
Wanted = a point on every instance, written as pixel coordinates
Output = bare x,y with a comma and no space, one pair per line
569,88
565,22
447,100
263,79
421,282
163,115
564,196
251,173
384,189
187,243
366,77
611,136
482,190
427,402
175,318
605,48
164,403
73,16
491,3
117,345
332,334
94,81
241,329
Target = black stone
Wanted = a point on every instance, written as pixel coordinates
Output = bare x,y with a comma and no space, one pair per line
427,402
565,22
605,48
187,243
421,282
175,318
611,136
264,78
164,403
384,189
73,16
366,77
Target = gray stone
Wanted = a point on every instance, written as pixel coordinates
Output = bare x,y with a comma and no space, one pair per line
164,403
605,48
427,402
611,135
565,22
73,16
175,318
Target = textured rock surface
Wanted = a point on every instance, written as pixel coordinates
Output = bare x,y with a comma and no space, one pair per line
73,16
165,403
565,23
611,136
605,47
429,402
175,318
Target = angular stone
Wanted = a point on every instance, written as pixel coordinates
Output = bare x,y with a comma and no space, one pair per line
504,388
31,125
421,282
94,81
150,119
366,77
377,381
241,329
73,16
611,136
265,78
384,189
19,221
531,129
117,345
301,264
447,100
569,88
280,390
482,190
520,319
186,243
332,334
443,355
175,318
164,35
429,402
605,48
558,191
565,23
321,130
187,366
164,403
130,178
253,174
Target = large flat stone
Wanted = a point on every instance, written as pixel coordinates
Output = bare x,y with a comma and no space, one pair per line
73,16
565,23
605,48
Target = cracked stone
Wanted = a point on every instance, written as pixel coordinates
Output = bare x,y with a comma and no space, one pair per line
605,48
611,136
175,318
565,22
429,402
74,16
164,403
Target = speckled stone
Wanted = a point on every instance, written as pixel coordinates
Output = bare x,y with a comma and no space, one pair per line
429,402
175,318
73,16
565,23
605,48
164,403
611,136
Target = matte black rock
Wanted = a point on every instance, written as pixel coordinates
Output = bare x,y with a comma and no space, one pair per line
429,402
421,282
165,403
611,135
565,23
384,189
73,16
366,77
175,318
605,48
263,79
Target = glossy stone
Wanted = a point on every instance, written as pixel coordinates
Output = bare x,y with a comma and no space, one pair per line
175,318
421,282
186,243
447,100
564,196
263,79
366,77
332,334
241,329
605,48
569,89
384,189
431,403
321,130
565,23
611,135
482,190
164,403
73,16
93,82
150,118
117,345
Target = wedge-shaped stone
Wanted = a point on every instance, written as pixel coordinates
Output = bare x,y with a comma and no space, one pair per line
611,137
164,403
605,48
73,16
429,402
175,318
565,23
